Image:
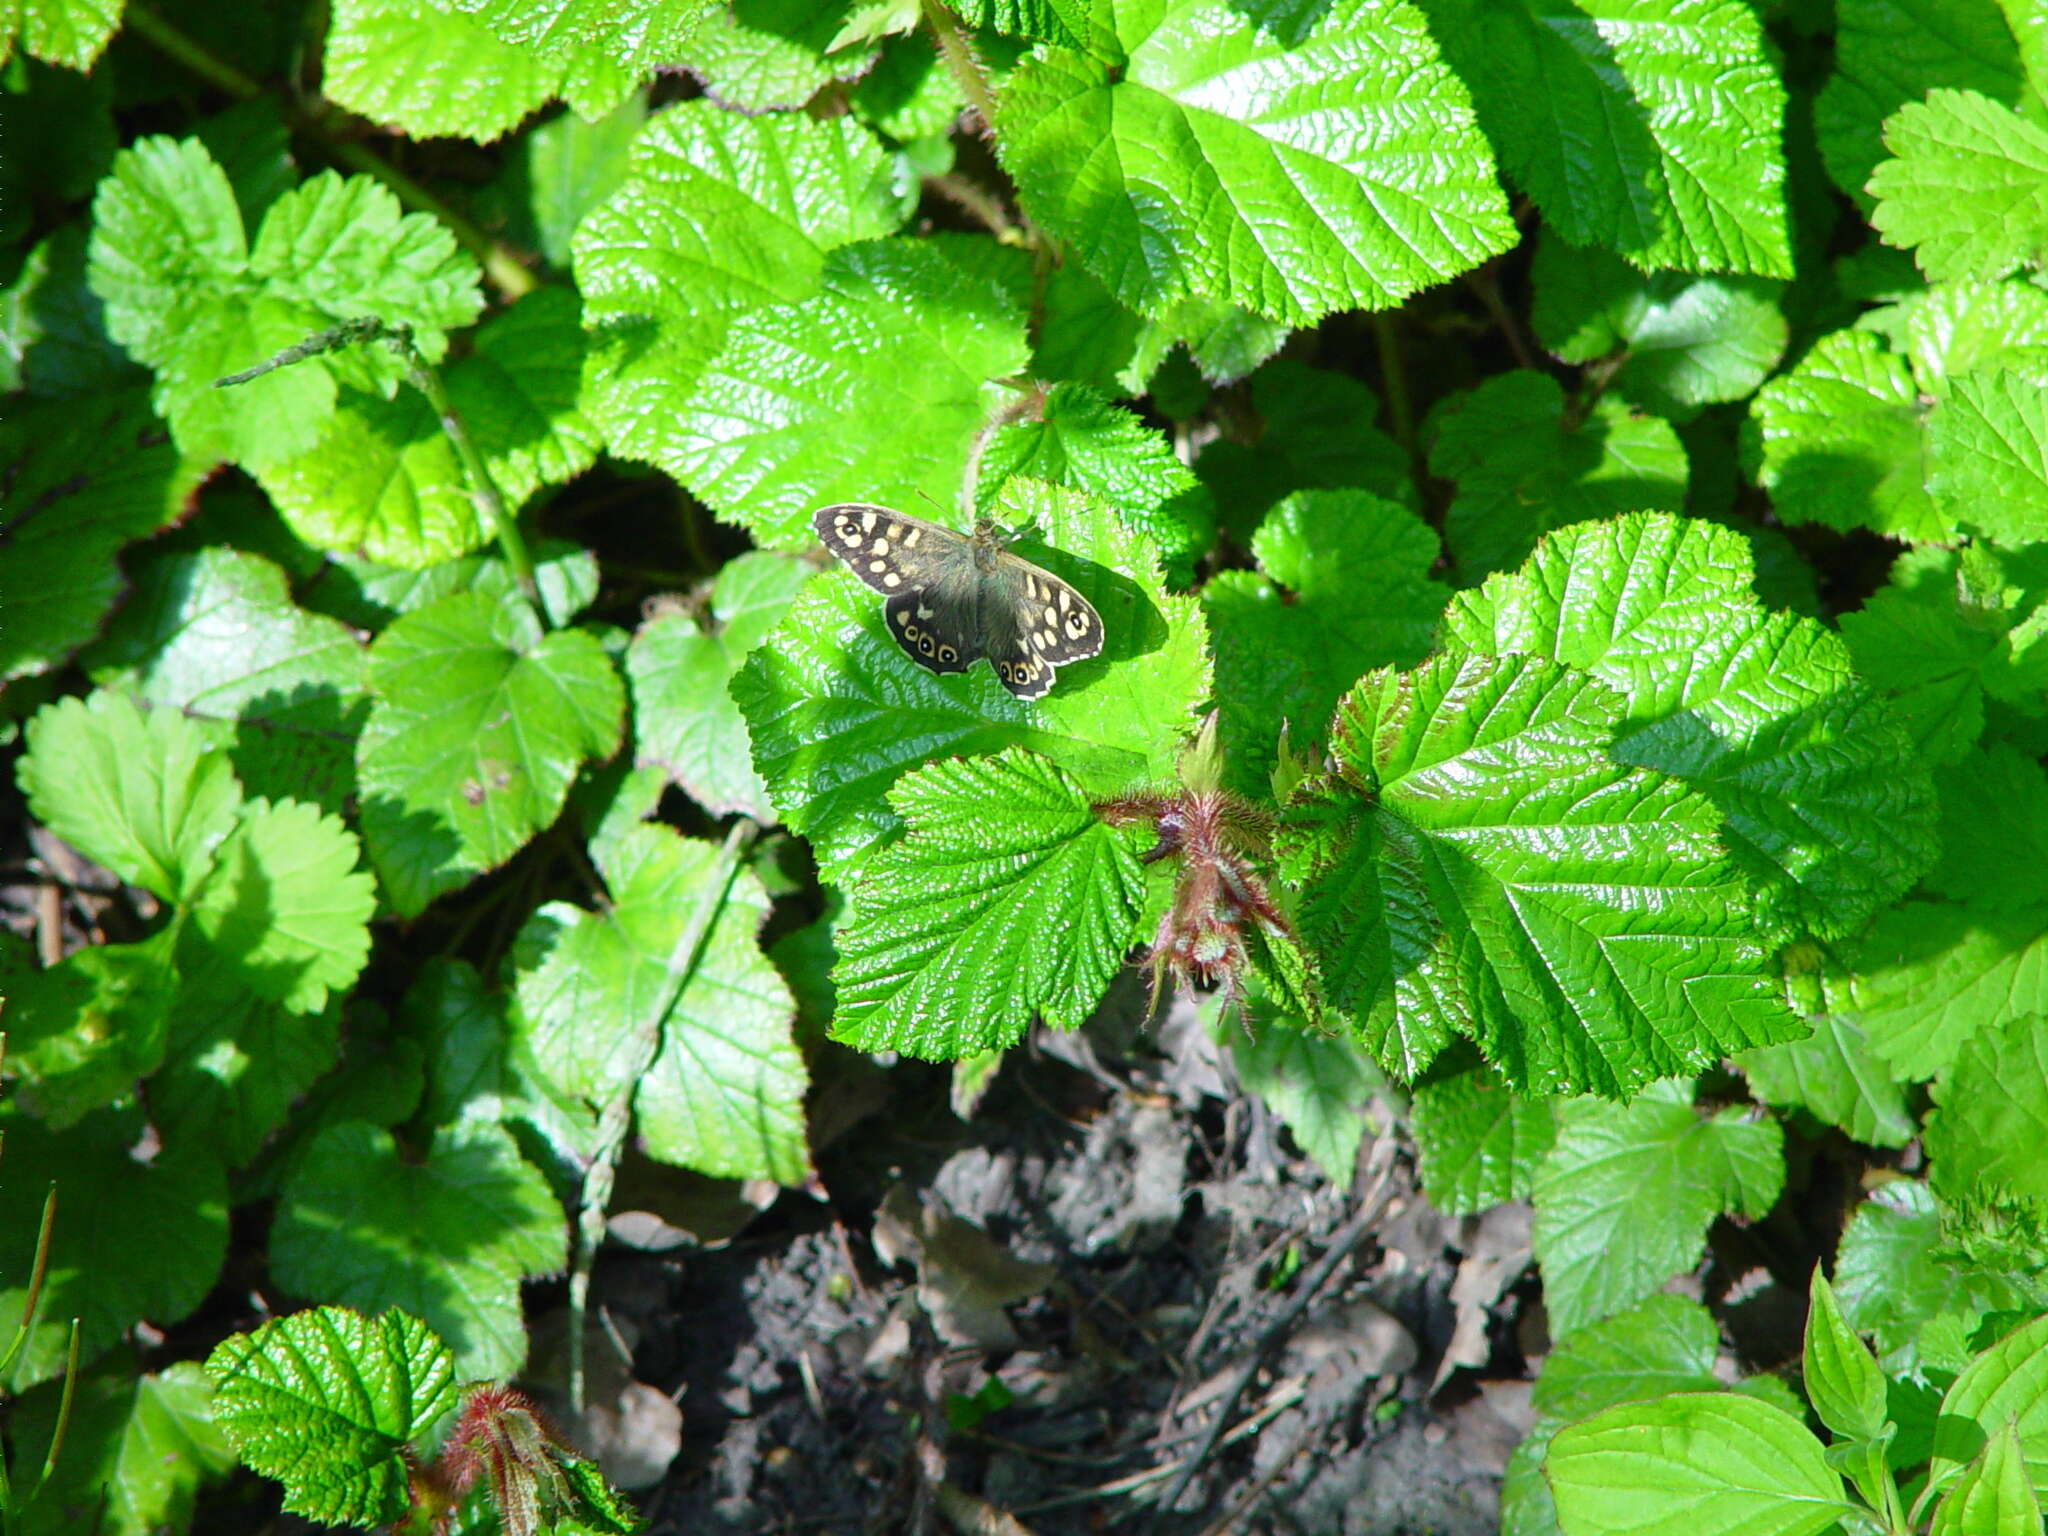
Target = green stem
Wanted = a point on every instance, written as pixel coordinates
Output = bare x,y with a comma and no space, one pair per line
957,49
617,1116
501,263
482,488
1394,381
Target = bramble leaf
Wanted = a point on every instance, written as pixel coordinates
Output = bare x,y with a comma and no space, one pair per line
725,1093
1293,169
479,723
1991,1114
1994,829
1896,1274
1833,1074
1931,974
1318,1085
1478,1141
1987,455
636,35
1476,863
1966,189
448,1235
66,32
1006,899
327,1401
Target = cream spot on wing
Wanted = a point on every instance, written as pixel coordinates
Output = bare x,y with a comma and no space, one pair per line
891,579
1050,616
867,522
879,547
923,612
878,566
903,620
910,539
1066,598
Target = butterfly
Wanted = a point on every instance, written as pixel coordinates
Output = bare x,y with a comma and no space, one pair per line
954,596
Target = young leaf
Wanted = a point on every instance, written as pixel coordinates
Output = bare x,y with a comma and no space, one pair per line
1964,188
138,791
1896,1275
1827,811
1987,453
2003,1385
1624,1198
684,719
1965,327
1994,1495
1006,899
1837,440
1991,1114
725,1094
285,908
1891,52
327,1401
1476,864
872,391
480,722
1678,341
1345,588
1842,1378
383,477
1695,1461
190,295
1523,468
1600,121
215,636
837,711
72,505
459,80
1930,975
1293,169
1478,1141
135,1241
448,1235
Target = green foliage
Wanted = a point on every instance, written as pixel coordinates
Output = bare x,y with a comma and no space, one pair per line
1615,564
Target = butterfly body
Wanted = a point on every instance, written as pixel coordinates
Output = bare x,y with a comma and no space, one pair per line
954,597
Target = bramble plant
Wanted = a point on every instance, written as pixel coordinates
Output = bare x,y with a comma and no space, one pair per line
1564,492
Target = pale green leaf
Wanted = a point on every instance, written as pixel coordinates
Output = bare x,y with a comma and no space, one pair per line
1653,128
447,1234
765,55
557,172
328,1401
1827,811
1843,1379
1833,1074
725,1092
1477,864
53,341
66,32
1987,455
1994,1496
909,94
1896,1275
139,791
2006,1384
1966,327
1966,189
1931,974
1990,1116
80,1033
1477,1140
1522,467
1006,899
1324,162
637,35
479,724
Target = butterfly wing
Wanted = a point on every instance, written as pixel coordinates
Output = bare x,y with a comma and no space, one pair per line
891,551
937,640
1032,624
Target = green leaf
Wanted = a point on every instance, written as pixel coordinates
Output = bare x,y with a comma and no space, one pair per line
80,1033
1085,335
1994,829
871,391
135,1240
215,636
1080,439
383,477
480,723
1005,899
189,295
1476,864
556,173
1624,1198
328,1400
1895,1274
1838,441
139,792
367,595
1955,328
766,55
1827,811
1697,1461
1930,975
1319,1086
1312,429
66,32
1292,169
2005,1385
71,506
1993,1496
725,1093
286,907
1966,189
910,94
1833,1074
637,35
720,213
1674,341
1523,467
1987,455
1843,1380
1891,52
448,1235
459,79
1477,1140
1345,588
52,341
1990,1114
1058,21
1602,114
1933,651
137,1448
837,711
684,720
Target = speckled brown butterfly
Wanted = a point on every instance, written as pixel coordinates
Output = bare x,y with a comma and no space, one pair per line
954,596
